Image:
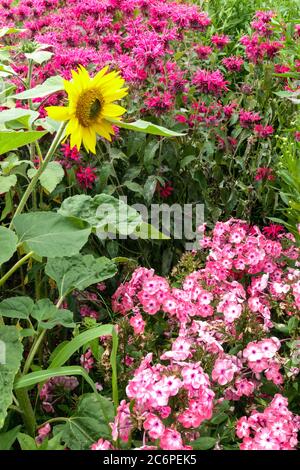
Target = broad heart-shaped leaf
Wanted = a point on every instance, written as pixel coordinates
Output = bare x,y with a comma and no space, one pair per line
51,85
48,316
7,182
10,140
24,116
51,177
89,423
39,56
50,234
8,244
11,351
79,272
103,212
17,307
146,128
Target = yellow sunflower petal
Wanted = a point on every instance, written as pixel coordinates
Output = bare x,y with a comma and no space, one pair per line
104,129
75,131
110,96
89,139
58,113
99,75
112,110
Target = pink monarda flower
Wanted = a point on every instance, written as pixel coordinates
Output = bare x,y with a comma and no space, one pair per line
233,63
264,173
263,131
220,40
102,444
203,52
210,82
72,155
273,230
248,118
297,136
281,68
86,177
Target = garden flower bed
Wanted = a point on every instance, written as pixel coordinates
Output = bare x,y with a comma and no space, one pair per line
149,237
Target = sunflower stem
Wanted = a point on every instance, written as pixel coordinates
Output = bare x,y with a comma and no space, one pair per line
40,170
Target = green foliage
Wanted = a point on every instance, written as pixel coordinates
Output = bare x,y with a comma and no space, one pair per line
51,177
11,356
11,140
89,421
79,272
51,235
8,243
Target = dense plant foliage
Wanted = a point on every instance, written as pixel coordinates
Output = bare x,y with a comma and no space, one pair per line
130,341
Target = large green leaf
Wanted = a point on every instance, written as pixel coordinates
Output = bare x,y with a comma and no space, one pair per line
41,376
48,316
79,272
39,56
51,177
50,234
8,438
10,140
51,85
11,351
26,442
89,423
146,128
7,182
8,244
24,117
17,307
103,212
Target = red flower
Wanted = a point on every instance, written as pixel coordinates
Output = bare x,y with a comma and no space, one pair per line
273,230
166,190
264,173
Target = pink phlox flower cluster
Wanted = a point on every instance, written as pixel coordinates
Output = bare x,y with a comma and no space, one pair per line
275,428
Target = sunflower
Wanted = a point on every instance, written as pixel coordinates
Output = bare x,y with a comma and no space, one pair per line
90,106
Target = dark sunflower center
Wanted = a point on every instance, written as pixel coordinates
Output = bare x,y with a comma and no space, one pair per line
95,109
89,106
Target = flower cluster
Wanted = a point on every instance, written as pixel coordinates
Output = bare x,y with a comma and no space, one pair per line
52,390
275,428
247,277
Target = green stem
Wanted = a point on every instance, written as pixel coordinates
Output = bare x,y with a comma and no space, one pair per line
40,170
55,420
60,301
15,267
36,344
26,408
